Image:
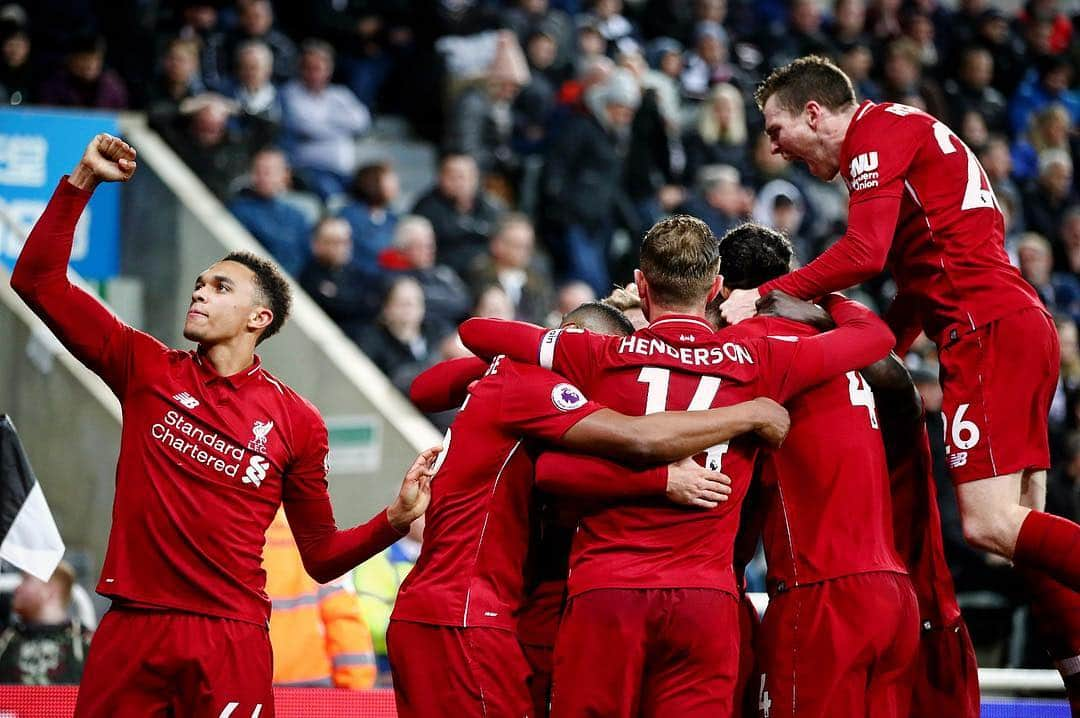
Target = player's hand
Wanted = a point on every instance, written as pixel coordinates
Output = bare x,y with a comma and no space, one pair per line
739,306
783,305
106,159
691,484
773,421
415,494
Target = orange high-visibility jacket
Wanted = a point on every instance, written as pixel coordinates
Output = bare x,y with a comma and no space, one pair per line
318,633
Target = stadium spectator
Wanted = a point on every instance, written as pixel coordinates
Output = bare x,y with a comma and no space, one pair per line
1068,258
991,29
1063,487
971,91
252,89
459,210
997,162
801,33
484,117
569,297
348,294
492,302
606,16
84,80
402,342
709,62
1049,83
254,23
1050,129
321,123
719,134
16,69
377,581
905,82
721,201
218,154
1048,199
45,645
847,27
370,212
261,208
654,162
582,186
510,263
536,18
1059,291
179,79
317,631
858,62
413,253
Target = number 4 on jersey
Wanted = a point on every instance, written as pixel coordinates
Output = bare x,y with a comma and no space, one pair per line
860,394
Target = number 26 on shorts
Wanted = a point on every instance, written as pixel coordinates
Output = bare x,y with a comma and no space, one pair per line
965,433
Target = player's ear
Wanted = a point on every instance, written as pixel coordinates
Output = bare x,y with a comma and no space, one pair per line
260,319
812,110
643,291
719,288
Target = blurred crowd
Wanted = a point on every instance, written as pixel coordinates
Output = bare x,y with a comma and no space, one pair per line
564,129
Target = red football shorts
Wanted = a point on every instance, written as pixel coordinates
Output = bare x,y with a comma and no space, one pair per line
748,682
541,660
998,382
455,672
946,674
843,647
158,663
625,653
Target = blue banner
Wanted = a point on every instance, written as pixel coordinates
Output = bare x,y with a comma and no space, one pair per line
37,148
1024,708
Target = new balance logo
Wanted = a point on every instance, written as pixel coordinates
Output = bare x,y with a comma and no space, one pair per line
957,460
187,400
864,174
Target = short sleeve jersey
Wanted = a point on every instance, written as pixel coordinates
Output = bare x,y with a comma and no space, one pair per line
675,364
948,252
476,539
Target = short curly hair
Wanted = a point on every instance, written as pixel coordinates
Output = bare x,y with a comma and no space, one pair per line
271,286
752,254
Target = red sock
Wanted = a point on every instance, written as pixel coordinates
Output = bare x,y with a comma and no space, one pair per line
1055,611
1050,544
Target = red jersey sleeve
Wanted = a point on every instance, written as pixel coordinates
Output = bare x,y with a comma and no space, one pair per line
875,160
93,334
905,322
539,404
589,477
567,351
327,552
791,365
445,385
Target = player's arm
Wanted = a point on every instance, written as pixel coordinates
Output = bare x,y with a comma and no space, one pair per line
592,478
779,304
89,330
857,256
860,339
445,385
486,338
328,552
672,435
904,320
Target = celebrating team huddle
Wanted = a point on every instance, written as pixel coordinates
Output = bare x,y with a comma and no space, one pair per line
577,560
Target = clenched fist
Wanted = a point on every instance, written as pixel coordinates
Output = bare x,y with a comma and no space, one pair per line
107,159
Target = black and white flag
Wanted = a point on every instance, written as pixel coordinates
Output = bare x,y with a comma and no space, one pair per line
29,539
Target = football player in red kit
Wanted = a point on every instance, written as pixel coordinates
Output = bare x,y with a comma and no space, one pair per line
921,205
211,444
946,675
643,573
452,640
841,631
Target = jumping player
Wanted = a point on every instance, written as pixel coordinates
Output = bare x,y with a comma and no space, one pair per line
211,445
922,206
452,641
643,573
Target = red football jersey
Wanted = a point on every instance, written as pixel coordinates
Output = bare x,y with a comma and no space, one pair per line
205,460
917,523
920,204
471,568
679,363
825,492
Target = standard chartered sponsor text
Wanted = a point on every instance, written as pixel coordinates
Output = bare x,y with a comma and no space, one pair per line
205,447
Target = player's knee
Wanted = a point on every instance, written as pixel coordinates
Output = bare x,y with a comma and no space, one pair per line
985,532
